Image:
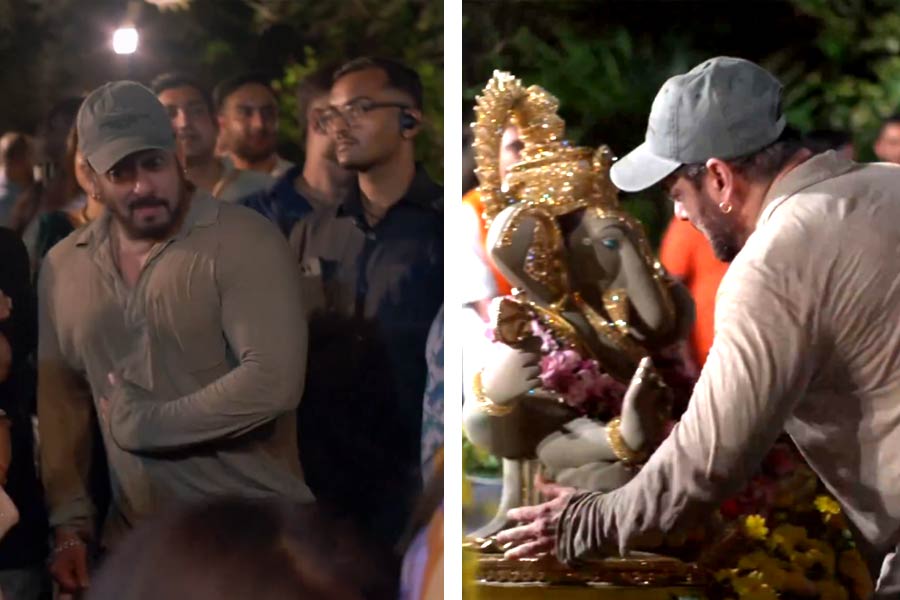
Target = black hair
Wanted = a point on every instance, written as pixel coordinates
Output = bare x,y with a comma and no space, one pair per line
758,165
822,140
228,86
313,86
65,109
14,146
168,81
400,76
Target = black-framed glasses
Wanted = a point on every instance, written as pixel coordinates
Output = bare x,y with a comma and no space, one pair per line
352,111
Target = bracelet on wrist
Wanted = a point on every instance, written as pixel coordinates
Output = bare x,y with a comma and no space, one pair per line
68,544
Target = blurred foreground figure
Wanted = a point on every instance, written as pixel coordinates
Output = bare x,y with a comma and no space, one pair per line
233,549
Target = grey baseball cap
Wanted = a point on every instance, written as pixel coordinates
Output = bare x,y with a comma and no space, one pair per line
120,118
722,108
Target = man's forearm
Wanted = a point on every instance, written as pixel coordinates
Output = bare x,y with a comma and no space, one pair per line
758,368
65,416
241,401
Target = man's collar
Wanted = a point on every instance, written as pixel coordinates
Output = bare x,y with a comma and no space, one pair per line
808,173
203,211
423,192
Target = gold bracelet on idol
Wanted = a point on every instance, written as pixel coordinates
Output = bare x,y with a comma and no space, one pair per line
487,405
619,447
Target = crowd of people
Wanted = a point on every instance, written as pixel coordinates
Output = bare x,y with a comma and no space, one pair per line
218,360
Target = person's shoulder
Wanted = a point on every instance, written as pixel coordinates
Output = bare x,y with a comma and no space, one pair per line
246,184
9,239
242,221
254,177
66,252
326,222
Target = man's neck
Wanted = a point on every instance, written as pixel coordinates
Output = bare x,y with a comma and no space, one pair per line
323,181
263,166
125,247
759,193
384,185
205,173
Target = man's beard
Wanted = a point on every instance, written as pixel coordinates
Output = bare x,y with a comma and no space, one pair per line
718,229
157,231
199,155
251,154
723,245
330,154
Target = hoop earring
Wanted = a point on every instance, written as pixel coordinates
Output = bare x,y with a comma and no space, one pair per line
725,207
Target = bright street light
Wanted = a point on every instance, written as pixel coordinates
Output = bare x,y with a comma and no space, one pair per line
125,40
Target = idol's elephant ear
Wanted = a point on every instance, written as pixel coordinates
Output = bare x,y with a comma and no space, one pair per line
527,247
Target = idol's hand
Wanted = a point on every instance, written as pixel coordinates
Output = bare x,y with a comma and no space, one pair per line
643,414
510,373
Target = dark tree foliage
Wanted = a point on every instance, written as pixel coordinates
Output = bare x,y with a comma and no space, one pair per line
606,59
53,48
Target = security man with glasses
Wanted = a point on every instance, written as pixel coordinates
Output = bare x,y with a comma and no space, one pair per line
374,269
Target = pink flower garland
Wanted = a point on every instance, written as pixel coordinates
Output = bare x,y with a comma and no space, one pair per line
579,381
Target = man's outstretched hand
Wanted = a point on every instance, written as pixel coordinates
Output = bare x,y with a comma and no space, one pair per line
537,532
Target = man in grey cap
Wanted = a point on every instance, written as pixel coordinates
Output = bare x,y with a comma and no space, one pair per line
180,319
807,337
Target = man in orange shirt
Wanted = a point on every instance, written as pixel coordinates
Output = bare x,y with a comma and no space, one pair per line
686,254
510,153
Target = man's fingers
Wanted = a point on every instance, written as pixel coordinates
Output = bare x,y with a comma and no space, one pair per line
81,570
526,513
520,533
529,549
103,405
63,572
554,490
530,513
113,379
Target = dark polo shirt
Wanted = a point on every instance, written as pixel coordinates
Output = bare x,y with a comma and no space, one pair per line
281,203
373,293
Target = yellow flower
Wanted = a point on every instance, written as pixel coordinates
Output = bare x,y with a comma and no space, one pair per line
787,537
817,553
831,590
827,505
851,566
755,527
752,587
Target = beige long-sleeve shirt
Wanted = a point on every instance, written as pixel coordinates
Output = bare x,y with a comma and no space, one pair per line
808,341
211,346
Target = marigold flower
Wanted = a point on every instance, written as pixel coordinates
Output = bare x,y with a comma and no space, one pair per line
755,527
827,505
